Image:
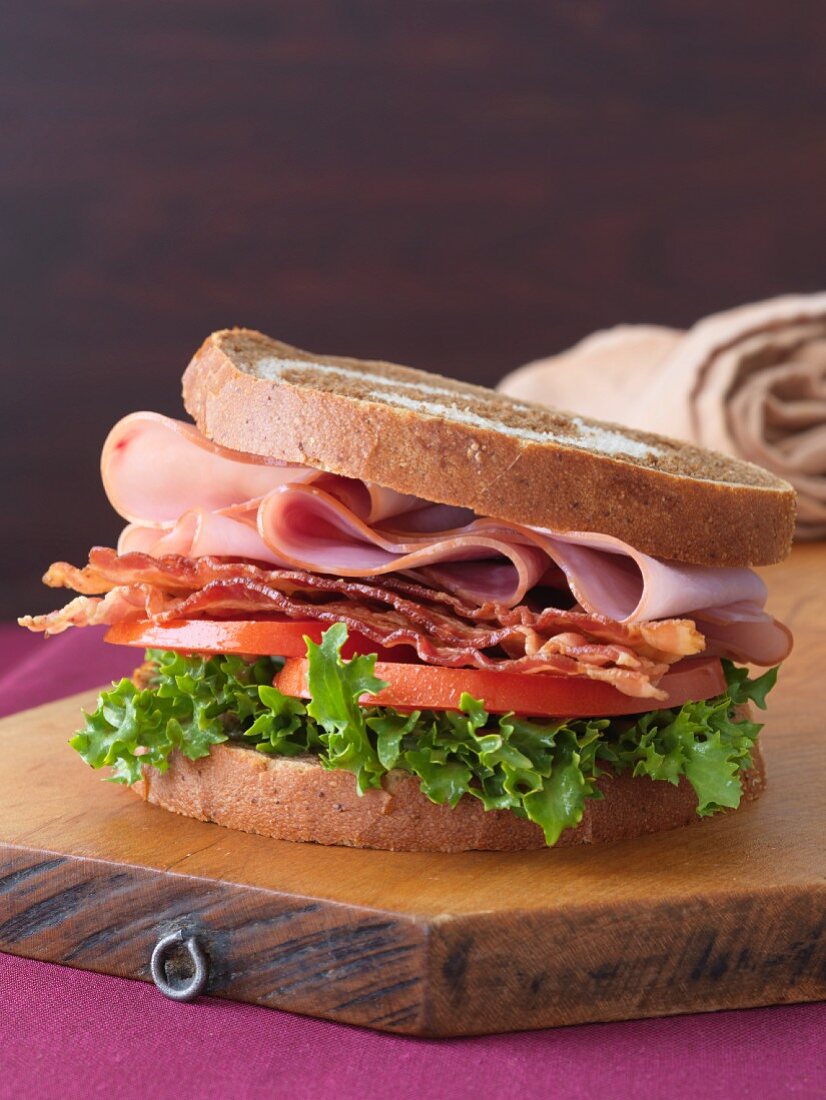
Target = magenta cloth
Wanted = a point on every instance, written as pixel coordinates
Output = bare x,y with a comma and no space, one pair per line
67,1033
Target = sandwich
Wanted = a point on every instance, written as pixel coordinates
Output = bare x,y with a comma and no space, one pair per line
382,608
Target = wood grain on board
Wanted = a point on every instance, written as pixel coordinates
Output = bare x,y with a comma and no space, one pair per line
728,913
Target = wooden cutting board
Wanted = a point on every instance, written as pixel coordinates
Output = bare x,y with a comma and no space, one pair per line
728,913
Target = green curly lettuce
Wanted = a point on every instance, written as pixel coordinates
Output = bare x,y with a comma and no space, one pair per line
543,770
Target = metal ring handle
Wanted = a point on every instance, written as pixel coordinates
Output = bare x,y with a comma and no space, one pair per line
194,985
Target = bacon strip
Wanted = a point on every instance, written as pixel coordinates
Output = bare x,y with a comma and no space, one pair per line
439,626
124,603
429,607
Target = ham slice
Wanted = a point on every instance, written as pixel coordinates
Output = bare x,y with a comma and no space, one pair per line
154,469
310,529
184,495
609,577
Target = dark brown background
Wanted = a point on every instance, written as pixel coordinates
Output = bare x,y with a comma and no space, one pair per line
458,185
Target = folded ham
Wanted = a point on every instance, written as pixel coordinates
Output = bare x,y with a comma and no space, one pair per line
184,495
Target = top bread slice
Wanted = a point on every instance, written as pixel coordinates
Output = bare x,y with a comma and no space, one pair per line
455,443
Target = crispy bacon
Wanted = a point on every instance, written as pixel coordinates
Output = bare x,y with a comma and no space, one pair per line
442,628
124,603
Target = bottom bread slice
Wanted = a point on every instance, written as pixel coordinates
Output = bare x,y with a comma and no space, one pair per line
295,798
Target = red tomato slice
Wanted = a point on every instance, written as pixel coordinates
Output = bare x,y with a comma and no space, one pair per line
432,688
266,637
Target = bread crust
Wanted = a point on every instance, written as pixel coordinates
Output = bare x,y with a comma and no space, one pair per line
466,445
295,798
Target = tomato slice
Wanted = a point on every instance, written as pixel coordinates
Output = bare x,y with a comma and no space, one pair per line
266,637
536,694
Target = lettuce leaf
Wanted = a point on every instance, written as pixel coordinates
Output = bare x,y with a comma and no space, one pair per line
543,770
335,687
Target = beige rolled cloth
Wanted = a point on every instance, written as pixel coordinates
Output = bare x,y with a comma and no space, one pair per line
750,382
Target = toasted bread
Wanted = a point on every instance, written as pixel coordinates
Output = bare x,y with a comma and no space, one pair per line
460,444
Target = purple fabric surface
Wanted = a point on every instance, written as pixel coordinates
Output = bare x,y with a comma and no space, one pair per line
70,1034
